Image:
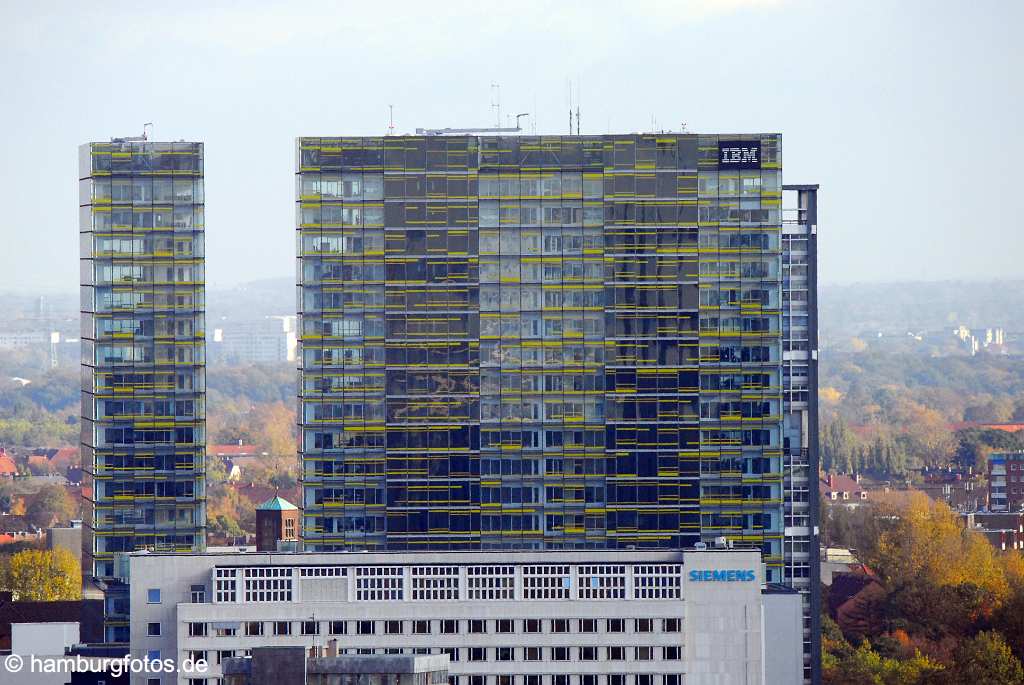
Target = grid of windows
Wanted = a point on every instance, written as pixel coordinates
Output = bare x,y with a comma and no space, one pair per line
435,582
378,583
539,342
490,582
658,582
322,572
226,584
141,224
267,584
546,582
602,582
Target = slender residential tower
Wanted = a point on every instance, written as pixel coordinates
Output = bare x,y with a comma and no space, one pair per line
143,367
800,402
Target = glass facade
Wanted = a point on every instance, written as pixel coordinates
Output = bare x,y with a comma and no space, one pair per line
540,342
143,368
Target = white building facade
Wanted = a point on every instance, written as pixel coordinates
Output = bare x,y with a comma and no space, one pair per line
519,618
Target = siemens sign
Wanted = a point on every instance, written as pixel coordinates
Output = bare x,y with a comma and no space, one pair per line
739,154
724,576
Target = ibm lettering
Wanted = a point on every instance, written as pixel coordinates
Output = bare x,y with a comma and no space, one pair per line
739,154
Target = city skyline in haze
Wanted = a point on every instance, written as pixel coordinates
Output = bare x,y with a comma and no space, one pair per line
904,113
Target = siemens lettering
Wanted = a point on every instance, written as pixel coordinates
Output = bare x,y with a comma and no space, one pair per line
728,576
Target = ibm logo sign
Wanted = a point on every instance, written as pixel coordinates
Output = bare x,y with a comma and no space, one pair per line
742,154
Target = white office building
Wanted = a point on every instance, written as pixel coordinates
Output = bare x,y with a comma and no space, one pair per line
503,618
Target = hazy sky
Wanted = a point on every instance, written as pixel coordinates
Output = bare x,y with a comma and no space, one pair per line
907,113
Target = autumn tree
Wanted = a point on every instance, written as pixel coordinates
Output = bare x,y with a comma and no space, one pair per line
52,504
42,575
925,543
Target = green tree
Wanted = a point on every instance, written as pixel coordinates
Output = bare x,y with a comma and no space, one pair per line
986,658
52,504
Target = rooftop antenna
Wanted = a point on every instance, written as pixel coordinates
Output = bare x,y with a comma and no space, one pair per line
496,103
569,85
391,120
150,124
519,116
578,98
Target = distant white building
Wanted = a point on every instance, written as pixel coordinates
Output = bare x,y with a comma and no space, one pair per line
268,340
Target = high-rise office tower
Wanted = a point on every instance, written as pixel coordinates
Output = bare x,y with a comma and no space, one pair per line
557,342
800,404
143,368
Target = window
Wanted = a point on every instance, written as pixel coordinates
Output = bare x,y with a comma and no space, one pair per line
672,653
310,628
153,595
532,625
503,654
672,625
643,653
588,653
504,625
153,655
644,625
392,627
490,582
377,583
266,584
282,628
559,653
676,679
338,628
365,628
561,679
153,629
617,679
254,628
616,625
197,630
645,679
616,654
421,627
449,626
198,594
559,625
588,625
477,626
533,680
532,654
477,654
435,582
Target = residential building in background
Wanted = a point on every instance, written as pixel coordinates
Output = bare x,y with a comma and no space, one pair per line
143,355
565,342
1006,481
579,618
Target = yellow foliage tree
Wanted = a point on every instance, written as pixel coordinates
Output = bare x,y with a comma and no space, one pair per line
927,543
43,575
